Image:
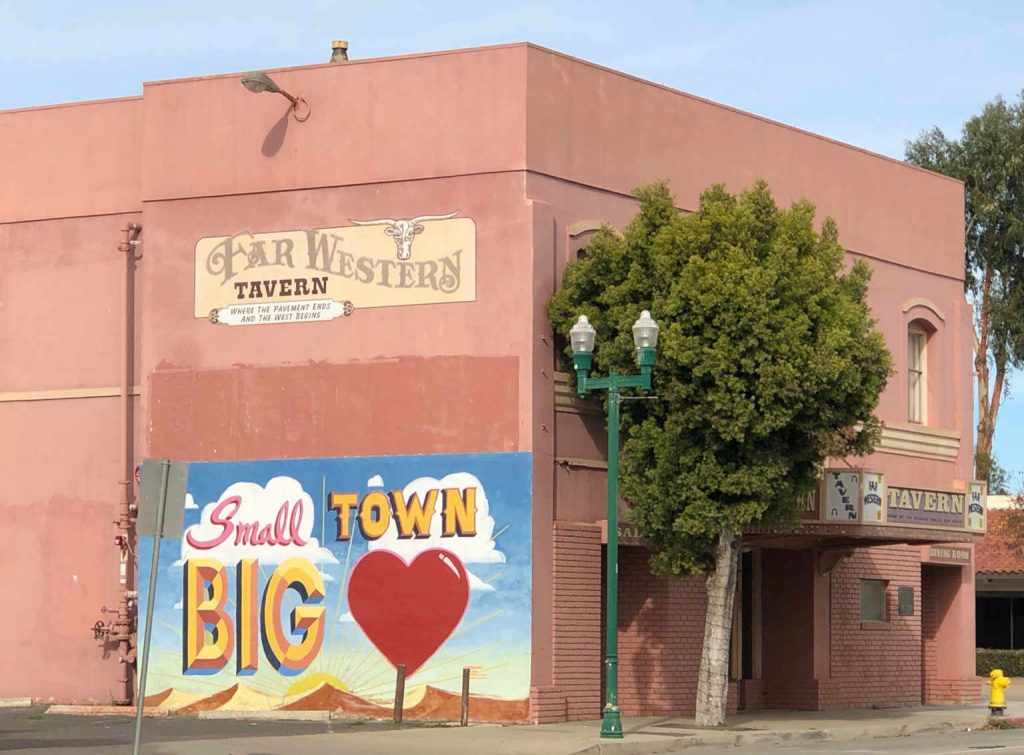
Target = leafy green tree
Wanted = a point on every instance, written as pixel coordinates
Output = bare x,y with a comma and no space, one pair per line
768,364
989,158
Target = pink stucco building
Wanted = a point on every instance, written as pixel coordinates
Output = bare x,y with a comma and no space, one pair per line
188,345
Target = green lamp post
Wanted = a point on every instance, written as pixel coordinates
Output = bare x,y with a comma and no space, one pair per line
581,336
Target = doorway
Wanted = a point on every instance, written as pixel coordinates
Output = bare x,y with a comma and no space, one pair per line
745,649
941,630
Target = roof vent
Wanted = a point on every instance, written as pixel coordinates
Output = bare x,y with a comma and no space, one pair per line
339,51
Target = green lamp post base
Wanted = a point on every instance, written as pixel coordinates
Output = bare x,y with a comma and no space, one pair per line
611,723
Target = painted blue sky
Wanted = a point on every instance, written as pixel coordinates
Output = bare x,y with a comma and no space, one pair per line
872,73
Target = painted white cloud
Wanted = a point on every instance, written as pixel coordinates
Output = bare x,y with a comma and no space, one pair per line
475,549
190,502
375,482
347,618
247,519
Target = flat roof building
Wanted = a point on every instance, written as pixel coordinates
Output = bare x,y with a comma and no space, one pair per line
340,321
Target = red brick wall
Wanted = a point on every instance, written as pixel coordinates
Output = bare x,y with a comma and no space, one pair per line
576,632
661,629
874,664
752,692
661,633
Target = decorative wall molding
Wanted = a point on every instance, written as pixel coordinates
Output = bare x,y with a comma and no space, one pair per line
571,462
584,226
65,393
566,400
920,301
905,439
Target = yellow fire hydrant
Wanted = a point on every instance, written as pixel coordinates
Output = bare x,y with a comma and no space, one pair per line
999,683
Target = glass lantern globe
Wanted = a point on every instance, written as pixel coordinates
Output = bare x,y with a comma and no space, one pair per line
581,336
645,331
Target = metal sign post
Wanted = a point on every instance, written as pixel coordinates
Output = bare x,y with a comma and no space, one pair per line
173,475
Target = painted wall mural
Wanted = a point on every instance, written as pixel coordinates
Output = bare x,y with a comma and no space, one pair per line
303,584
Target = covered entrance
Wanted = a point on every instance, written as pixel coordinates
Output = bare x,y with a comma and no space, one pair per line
824,623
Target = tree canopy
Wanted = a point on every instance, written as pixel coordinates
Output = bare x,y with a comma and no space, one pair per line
989,158
768,361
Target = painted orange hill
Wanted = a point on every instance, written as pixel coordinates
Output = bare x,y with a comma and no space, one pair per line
441,705
235,697
434,705
153,701
172,699
328,697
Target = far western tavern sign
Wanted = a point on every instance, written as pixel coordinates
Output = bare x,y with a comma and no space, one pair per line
323,273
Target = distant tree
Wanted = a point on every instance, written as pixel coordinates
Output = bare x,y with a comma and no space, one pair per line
998,479
768,363
989,158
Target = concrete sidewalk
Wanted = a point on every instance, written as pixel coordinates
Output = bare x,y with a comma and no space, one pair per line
643,735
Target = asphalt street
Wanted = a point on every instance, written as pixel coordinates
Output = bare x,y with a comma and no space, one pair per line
32,730
972,743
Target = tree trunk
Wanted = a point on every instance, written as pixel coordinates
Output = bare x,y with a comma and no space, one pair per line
713,682
988,405
987,426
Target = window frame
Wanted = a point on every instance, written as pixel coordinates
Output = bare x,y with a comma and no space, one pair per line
882,614
917,390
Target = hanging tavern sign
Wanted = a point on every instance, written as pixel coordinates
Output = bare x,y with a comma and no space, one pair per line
292,276
937,508
862,496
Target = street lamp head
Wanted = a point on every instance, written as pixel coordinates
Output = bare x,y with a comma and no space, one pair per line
645,331
257,82
581,336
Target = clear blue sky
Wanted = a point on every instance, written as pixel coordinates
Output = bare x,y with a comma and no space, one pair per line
869,73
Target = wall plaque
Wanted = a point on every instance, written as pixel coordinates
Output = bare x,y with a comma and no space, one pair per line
949,554
905,600
383,262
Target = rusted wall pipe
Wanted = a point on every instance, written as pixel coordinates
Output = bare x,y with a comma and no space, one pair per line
122,630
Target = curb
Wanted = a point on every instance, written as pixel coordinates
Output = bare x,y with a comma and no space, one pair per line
907,730
15,702
266,715
726,738
104,710
723,738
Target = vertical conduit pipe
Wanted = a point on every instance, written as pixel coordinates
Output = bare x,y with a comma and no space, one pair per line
123,626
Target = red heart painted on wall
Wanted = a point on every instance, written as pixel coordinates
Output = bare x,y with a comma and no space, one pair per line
408,610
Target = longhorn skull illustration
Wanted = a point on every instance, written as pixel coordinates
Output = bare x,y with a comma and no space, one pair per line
403,231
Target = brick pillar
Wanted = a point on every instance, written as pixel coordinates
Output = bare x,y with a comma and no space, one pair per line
575,694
